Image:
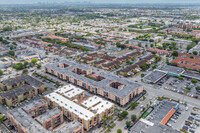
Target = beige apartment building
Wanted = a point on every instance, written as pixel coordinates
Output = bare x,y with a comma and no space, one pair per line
118,90
88,113
20,88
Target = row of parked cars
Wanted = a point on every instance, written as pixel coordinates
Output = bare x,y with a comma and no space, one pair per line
174,118
191,123
181,92
47,81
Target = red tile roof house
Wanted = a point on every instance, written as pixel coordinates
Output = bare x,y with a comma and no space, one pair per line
159,51
133,46
188,63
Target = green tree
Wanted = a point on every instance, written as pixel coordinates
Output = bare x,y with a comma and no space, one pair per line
157,59
197,88
153,52
174,64
1,72
123,115
180,78
133,117
145,66
19,66
133,105
25,71
25,63
175,53
12,53
39,66
34,60
119,131
128,123
188,88
194,81
195,52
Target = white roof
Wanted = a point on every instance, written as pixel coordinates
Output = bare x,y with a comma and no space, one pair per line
147,122
97,104
70,91
71,106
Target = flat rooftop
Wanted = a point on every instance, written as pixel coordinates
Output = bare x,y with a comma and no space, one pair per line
34,104
145,127
70,90
161,111
69,127
171,69
103,84
71,106
154,76
49,114
29,124
190,74
97,104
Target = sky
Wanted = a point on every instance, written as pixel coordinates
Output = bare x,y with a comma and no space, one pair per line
98,1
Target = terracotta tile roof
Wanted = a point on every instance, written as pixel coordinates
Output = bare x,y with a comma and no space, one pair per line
168,116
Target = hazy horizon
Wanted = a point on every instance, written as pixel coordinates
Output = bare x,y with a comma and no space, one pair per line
100,1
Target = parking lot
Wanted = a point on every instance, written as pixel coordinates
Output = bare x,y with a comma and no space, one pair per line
187,121
185,86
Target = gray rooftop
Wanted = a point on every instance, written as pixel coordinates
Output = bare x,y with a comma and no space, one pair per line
30,84
141,127
161,111
154,76
69,127
49,114
30,80
172,69
190,74
104,84
33,105
16,91
26,121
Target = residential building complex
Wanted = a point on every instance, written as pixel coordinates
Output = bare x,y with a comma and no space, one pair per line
20,88
88,112
36,118
112,87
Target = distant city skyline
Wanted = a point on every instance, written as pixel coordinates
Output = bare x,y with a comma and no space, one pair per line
98,1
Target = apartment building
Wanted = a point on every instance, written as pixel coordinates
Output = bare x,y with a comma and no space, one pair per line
71,92
51,119
36,108
35,118
20,88
109,86
88,113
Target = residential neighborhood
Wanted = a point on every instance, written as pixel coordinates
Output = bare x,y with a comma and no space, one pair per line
90,67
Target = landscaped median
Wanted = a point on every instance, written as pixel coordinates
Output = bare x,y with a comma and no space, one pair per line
45,77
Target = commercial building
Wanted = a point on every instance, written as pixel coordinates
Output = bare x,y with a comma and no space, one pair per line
171,70
88,113
109,86
155,122
20,88
154,76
